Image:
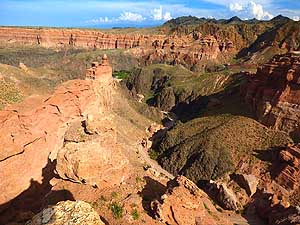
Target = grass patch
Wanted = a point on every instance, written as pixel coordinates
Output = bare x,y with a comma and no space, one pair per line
9,93
135,214
121,74
114,194
153,154
207,209
117,210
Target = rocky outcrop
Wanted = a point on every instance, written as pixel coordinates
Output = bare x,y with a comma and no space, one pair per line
225,197
30,133
68,212
99,162
190,50
247,181
33,135
288,167
273,93
185,203
83,38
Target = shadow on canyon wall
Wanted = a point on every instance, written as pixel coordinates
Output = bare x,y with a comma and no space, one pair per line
34,199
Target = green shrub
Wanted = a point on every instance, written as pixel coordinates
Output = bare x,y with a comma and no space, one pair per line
121,74
153,154
114,194
117,210
135,214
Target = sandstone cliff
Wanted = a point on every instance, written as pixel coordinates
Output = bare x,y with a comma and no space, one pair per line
273,93
192,50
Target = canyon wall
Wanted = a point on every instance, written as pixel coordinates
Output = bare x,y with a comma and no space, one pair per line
273,93
82,38
192,50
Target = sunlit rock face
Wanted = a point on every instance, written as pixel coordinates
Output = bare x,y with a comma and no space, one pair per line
274,93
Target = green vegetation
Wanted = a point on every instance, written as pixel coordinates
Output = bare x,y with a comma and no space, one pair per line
208,209
139,180
207,147
153,154
117,210
120,74
135,214
9,93
165,86
114,194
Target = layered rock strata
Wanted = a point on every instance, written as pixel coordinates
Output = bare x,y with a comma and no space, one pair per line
288,167
192,51
32,136
273,93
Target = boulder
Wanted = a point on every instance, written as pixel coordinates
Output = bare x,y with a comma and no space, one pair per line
248,182
185,203
23,67
227,198
98,162
67,212
287,167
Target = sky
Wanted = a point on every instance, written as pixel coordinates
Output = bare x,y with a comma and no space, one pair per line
140,13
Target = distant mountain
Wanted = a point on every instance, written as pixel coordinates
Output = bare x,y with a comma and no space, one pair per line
234,19
193,20
185,20
280,19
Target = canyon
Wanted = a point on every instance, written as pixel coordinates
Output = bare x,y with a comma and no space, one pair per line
273,93
203,128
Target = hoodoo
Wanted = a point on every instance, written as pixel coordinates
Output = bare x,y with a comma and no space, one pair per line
102,72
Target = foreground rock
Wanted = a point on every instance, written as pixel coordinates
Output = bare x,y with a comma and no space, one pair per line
68,212
29,134
98,163
34,136
185,203
273,93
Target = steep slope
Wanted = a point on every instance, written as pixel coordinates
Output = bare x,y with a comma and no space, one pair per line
83,143
283,37
273,93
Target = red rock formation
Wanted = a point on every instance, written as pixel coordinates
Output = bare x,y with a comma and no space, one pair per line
29,136
185,203
288,166
102,72
83,38
192,50
274,93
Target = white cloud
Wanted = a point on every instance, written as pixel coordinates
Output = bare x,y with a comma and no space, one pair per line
157,14
235,7
296,18
250,9
129,16
167,16
258,12
99,20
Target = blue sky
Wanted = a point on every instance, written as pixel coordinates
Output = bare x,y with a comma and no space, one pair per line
91,13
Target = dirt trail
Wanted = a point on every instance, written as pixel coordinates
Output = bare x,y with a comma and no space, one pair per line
152,163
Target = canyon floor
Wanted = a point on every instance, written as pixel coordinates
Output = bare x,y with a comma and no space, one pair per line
187,123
